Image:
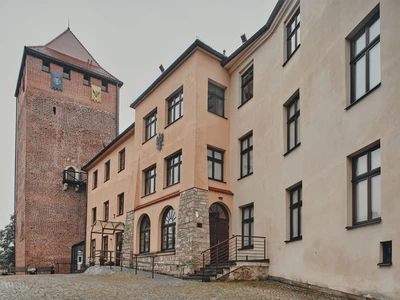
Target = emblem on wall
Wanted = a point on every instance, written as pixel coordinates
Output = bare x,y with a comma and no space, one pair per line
56,81
159,141
96,93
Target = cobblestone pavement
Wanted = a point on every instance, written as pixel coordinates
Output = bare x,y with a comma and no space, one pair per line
125,285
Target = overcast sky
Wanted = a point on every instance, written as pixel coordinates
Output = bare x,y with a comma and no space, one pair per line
128,38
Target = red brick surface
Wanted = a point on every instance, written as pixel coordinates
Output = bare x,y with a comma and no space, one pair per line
49,220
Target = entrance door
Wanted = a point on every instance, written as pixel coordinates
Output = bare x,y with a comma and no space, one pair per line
219,232
118,248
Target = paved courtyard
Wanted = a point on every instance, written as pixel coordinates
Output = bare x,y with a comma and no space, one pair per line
125,285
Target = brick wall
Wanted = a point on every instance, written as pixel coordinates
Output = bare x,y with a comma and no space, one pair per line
49,219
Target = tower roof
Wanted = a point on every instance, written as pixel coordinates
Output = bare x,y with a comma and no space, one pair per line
67,50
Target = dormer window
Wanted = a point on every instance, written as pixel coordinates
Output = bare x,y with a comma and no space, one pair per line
86,79
46,66
104,86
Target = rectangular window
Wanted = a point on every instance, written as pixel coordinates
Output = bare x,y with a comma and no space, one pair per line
86,80
293,122
386,253
293,34
106,210
104,86
247,85
367,186
174,165
106,171
93,249
46,66
296,202
122,159
150,125
248,226
67,73
216,99
150,181
365,63
94,214
246,155
105,247
175,106
215,164
121,204
95,179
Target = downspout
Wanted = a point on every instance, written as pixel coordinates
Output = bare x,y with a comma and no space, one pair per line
117,111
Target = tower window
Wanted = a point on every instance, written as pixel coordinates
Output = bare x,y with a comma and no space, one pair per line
104,86
54,110
67,73
46,66
86,80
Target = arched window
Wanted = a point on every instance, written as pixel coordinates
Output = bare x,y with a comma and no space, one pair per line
145,234
168,229
70,174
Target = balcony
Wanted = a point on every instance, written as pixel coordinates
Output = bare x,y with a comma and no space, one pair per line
74,178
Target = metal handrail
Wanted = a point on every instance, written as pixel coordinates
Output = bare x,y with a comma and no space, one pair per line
233,248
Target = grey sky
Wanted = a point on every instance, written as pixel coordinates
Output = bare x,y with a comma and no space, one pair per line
130,39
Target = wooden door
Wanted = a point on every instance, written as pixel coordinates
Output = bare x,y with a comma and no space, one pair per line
219,232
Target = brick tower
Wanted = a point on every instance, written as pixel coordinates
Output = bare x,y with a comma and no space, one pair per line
67,110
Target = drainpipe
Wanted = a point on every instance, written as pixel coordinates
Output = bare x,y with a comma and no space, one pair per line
117,111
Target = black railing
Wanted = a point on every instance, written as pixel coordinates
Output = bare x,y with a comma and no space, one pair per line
143,262
235,249
75,177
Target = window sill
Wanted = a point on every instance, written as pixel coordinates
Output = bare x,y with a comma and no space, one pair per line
376,221
384,264
299,238
284,64
166,251
362,97
246,247
243,103
216,180
149,194
149,139
171,185
119,215
94,188
121,170
218,115
245,176
107,180
292,149
173,122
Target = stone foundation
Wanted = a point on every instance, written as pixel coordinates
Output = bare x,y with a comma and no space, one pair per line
245,272
193,229
128,240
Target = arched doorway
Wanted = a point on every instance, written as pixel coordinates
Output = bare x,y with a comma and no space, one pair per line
219,232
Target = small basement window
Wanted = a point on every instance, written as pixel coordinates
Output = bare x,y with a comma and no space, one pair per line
86,80
46,66
386,248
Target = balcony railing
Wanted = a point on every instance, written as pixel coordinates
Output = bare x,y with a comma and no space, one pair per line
76,178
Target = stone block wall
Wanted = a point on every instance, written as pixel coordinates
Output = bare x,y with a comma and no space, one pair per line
193,228
128,239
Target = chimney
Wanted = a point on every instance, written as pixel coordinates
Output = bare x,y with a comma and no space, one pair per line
224,52
244,38
161,68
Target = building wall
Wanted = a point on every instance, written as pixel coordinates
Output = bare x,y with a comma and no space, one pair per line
328,255
119,182
54,130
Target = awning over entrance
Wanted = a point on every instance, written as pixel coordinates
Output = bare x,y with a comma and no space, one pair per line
107,227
